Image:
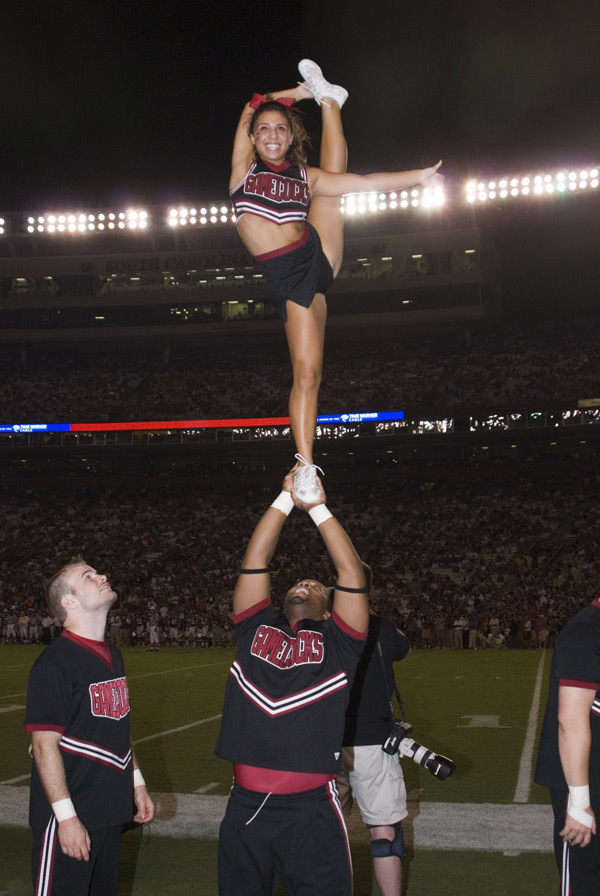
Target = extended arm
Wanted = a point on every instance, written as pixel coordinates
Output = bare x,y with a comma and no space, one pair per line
252,587
352,606
574,743
73,837
326,183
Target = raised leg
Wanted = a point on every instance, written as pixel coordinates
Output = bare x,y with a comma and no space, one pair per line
325,212
305,332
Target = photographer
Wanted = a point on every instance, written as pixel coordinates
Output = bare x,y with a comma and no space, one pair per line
371,775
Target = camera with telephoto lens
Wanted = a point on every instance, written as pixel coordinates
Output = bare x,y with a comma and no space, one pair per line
399,742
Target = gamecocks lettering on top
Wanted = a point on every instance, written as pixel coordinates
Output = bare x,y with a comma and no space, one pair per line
284,651
110,698
277,187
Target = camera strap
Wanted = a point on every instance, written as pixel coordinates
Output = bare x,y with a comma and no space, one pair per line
394,688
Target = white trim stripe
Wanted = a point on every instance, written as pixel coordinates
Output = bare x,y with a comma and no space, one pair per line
334,799
44,879
94,752
596,707
296,701
565,878
247,207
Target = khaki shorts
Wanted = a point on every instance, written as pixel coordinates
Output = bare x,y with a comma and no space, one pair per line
374,779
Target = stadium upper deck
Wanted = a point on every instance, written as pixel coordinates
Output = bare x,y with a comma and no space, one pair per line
415,254
189,265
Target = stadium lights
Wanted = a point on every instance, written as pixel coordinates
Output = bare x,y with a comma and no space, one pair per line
363,203
551,184
82,222
555,183
181,217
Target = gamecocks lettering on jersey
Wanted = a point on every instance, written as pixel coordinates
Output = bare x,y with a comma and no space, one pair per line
110,698
281,650
277,187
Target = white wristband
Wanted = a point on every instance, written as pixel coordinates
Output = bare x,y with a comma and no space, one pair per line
138,778
283,502
319,514
580,815
579,800
64,809
579,796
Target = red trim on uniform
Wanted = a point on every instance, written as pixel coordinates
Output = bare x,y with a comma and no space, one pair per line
596,602
569,683
255,608
285,249
274,166
360,636
272,780
58,728
98,648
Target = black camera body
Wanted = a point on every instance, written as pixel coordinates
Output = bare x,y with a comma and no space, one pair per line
399,742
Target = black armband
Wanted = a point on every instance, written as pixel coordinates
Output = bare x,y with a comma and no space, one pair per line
351,590
252,572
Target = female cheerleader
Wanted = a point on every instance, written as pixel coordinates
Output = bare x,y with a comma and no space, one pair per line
289,218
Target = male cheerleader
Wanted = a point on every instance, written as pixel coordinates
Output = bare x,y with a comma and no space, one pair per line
283,718
85,777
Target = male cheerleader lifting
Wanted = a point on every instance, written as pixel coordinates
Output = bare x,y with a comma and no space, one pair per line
283,718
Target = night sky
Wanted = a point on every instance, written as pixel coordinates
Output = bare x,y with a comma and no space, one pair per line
136,102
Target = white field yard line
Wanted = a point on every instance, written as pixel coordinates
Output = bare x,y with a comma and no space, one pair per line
140,740
144,675
524,780
143,740
444,826
180,669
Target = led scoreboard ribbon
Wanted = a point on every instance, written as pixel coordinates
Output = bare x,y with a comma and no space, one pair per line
237,422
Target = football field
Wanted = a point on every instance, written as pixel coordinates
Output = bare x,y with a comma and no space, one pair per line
486,830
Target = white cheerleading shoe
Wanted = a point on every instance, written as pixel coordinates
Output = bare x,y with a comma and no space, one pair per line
319,86
306,487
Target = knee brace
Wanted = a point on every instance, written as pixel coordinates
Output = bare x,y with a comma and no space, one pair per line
382,848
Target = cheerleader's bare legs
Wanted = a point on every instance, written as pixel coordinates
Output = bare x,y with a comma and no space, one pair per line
305,327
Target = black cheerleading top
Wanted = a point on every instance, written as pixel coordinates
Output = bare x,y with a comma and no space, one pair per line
82,694
576,664
279,193
370,715
287,691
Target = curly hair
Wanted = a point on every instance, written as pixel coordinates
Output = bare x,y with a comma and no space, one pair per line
297,154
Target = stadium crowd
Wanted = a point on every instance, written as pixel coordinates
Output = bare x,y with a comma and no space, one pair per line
517,362
459,562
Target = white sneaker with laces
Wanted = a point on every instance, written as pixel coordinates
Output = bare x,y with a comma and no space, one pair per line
319,86
306,486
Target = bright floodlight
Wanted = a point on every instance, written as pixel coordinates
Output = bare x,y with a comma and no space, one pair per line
547,184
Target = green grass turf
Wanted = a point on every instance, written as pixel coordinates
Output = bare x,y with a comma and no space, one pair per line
442,690
153,866
177,688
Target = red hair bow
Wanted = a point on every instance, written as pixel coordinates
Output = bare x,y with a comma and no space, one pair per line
259,100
